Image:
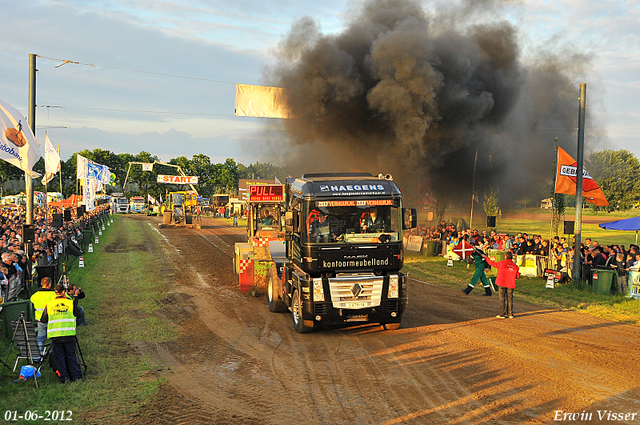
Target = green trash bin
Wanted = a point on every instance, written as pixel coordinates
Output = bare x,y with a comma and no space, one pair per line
496,255
11,311
601,281
429,248
87,238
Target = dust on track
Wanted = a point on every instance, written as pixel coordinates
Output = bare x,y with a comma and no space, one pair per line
452,361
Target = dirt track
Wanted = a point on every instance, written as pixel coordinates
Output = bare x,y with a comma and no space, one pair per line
452,361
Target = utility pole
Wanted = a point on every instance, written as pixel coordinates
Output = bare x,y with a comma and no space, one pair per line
579,173
28,181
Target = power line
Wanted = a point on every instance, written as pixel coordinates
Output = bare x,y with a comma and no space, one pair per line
67,61
136,110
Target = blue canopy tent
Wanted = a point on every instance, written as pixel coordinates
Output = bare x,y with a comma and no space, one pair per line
632,223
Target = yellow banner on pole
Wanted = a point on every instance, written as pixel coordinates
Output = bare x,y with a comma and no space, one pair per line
261,101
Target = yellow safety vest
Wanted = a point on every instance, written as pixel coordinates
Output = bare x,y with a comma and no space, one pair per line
40,300
62,322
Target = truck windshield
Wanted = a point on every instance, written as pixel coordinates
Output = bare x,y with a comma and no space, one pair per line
269,218
372,221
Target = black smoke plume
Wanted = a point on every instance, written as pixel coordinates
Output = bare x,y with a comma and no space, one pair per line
416,93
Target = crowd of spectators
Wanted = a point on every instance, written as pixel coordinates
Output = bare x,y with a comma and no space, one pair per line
47,244
557,253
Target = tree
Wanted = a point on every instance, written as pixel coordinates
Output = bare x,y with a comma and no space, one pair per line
618,175
8,172
263,170
490,204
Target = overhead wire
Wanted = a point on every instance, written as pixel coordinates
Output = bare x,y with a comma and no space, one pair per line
135,110
67,61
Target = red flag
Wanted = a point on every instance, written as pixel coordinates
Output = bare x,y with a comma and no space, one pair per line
463,249
566,180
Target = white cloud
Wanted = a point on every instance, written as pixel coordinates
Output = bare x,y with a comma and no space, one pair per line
224,42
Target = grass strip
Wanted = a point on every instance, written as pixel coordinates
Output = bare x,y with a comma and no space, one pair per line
124,278
615,307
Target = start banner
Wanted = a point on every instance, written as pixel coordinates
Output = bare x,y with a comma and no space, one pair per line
177,179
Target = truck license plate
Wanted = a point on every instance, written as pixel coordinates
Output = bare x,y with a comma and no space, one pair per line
357,305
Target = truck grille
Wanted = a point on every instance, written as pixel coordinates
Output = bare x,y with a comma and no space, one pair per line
356,292
392,305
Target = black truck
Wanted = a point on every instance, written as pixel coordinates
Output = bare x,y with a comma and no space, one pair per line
344,251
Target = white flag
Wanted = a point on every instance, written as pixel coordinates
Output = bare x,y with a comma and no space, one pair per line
151,199
18,146
51,160
89,192
81,167
147,166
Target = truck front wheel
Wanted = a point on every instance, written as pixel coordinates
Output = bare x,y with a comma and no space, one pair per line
274,294
296,309
390,326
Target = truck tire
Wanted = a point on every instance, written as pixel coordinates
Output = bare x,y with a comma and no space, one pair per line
274,295
296,310
390,326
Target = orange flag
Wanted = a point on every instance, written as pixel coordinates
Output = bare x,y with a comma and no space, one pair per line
566,180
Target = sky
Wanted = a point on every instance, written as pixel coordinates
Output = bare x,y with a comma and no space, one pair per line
159,76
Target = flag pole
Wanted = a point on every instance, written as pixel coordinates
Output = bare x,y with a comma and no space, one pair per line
61,193
473,188
579,172
46,191
554,207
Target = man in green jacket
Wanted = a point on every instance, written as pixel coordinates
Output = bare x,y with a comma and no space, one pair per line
479,275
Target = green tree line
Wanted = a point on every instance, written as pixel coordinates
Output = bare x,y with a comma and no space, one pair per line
212,178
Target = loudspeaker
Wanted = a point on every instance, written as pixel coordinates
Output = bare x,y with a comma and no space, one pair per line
491,221
79,212
74,249
568,227
67,215
50,271
28,233
57,220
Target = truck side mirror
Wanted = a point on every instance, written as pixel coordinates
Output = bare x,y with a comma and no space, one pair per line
288,222
409,218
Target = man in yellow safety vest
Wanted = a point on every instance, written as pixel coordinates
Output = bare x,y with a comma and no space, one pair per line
39,301
60,315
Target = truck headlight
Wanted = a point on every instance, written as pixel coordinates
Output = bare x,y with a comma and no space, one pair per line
318,290
393,286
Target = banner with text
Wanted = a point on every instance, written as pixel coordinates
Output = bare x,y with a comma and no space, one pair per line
177,179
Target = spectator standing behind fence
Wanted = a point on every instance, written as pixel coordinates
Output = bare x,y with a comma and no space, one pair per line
60,316
508,272
479,275
620,266
4,284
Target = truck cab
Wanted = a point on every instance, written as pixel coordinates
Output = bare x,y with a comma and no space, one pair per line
136,204
344,249
119,203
